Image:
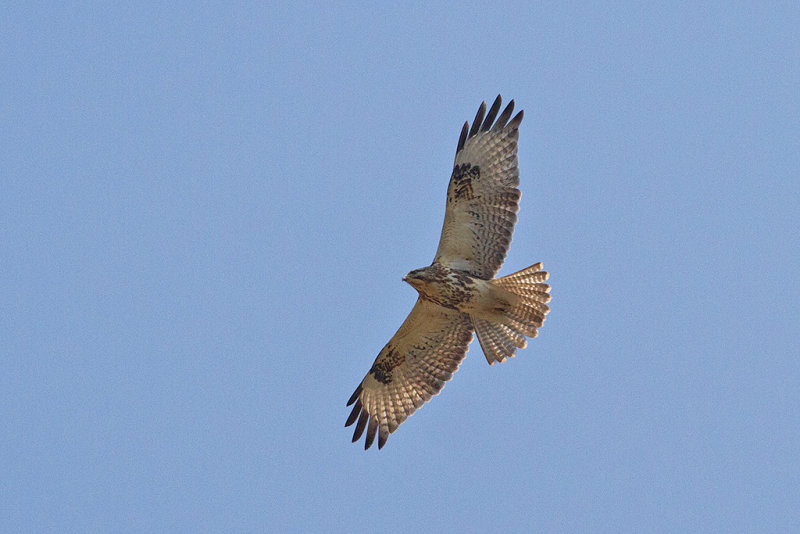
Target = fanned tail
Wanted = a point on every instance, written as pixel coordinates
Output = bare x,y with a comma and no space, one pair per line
528,295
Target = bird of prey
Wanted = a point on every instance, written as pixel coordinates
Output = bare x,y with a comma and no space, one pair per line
458,293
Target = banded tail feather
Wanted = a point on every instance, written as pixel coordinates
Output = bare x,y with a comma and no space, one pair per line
528,295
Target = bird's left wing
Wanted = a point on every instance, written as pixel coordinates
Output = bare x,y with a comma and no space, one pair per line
411,368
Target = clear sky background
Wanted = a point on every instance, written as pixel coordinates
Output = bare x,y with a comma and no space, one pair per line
206,210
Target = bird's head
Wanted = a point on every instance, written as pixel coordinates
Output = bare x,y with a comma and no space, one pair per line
416,278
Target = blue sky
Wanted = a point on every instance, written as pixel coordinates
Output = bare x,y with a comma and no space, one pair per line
206,210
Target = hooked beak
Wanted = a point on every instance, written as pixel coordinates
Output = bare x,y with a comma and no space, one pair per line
413,282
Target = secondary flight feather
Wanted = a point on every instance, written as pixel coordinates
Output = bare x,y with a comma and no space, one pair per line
458,294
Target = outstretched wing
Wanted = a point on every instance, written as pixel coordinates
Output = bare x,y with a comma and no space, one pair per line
482,199
411,368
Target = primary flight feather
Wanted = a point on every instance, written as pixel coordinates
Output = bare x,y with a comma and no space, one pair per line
458,294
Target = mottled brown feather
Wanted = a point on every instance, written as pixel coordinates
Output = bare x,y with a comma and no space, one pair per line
482,198
422,356
482,205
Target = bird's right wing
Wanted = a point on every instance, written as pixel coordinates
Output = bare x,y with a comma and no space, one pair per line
411,368
482,198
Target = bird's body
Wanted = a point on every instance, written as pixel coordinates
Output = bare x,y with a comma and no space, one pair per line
457,292
451,288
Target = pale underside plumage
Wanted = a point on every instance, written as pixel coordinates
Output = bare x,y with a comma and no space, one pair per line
411,368
482,203
482,206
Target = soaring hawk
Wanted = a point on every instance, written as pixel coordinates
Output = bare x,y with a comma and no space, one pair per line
458,293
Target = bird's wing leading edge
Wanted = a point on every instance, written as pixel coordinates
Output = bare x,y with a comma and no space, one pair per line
411,368
482,198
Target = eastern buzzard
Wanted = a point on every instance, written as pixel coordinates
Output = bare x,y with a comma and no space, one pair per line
458,293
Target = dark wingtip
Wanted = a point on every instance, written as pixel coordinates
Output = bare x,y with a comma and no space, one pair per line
383,434
476,124
463,138
487,122
355,395
362,422
352,418
373,427
504,116
514,123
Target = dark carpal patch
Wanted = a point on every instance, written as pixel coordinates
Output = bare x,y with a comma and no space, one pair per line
461,186
382,368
